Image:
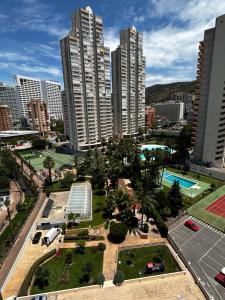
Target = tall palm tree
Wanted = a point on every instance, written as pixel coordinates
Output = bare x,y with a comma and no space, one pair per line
7,204
49,163
146,202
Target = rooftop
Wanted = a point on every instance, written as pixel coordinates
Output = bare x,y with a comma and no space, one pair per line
15,133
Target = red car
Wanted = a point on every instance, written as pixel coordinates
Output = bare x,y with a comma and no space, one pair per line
190,224
220,278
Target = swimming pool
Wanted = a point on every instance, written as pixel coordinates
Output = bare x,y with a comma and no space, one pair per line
154,147
184,183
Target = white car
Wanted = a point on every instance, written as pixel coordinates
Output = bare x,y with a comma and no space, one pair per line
223,271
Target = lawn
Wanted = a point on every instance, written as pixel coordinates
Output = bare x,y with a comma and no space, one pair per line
198,210
36,158
72,273
140,256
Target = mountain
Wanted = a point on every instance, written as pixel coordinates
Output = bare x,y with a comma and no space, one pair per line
161,92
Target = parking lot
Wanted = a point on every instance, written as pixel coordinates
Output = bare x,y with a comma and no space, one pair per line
204,250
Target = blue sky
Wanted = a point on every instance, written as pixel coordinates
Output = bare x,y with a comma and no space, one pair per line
30,31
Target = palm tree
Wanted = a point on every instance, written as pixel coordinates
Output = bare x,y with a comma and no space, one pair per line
7,204
49,163
146,201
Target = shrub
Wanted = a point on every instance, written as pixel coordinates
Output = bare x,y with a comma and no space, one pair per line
63,228
83,232
100,279
85,278
106,225
145,228
69,257
119,278
81,247
117,232
41,277
129,262
101,246
88,267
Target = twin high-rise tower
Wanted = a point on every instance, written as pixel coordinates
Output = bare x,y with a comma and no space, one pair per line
92,112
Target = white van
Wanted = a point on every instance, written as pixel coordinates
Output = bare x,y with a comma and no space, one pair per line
51,235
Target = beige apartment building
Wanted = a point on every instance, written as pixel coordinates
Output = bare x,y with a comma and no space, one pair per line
38,117
86,70
5,118
128,84
209,105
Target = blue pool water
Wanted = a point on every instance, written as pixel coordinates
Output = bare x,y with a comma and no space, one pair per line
184,183
154,147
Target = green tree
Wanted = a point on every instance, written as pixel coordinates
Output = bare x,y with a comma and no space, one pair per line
72,217
175,198
117,232
119,278
49,164
110,205
7,204
67,181
41,277
39,144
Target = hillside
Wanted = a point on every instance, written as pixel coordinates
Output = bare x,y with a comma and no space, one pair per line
162,92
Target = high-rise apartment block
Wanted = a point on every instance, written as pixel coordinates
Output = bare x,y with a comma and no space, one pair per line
209,104
86,69
38,117
128,84
8,97
28,88
5,118
65,114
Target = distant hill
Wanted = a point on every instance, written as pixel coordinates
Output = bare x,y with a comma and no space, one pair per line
161,92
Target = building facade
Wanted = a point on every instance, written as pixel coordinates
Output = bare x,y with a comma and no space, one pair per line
8,97
128,84
149,117
209,104
173,111
5,118
28,88
38,117
86,70
187,98
65,114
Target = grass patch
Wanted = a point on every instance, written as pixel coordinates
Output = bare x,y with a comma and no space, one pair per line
198,210
140,256
72,273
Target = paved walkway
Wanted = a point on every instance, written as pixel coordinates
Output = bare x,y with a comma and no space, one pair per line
8,264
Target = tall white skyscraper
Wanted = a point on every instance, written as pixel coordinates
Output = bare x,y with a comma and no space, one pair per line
86,69
209,104
128,84
8,97
29,88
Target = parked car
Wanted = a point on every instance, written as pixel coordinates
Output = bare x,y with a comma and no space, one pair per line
190,224
220,278
37,237
39,297
152,267
222,271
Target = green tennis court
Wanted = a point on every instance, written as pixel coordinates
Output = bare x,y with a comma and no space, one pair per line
199,211
36,159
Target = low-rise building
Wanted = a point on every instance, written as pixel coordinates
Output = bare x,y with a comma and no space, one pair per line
5,118
38,116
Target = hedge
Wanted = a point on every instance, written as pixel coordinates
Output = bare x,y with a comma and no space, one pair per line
28,279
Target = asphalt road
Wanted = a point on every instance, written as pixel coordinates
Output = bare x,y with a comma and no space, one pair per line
205,252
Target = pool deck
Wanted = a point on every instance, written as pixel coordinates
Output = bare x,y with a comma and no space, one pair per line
193,191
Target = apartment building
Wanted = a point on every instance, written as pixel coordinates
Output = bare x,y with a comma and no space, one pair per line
209,105
149,117
128,84
187,99
86,70
173,111
65,114
38,117
8,97
5,118
28,88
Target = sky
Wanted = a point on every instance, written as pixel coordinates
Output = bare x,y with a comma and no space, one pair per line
30,31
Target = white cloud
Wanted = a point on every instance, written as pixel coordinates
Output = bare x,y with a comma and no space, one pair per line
139,19
111,38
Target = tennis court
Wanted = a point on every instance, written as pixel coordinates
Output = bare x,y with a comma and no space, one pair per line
218,207
36,159
211,209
